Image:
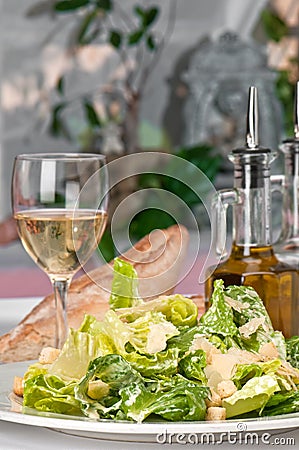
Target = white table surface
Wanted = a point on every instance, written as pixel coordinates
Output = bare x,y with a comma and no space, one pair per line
15,436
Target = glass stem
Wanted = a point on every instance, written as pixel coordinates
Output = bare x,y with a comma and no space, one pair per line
60,292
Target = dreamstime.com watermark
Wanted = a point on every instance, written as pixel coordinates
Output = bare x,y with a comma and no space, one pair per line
239,437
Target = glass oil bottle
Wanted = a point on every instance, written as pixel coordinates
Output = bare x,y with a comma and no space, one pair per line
252,261
287,245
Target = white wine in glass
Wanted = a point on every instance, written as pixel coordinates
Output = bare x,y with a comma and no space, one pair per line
60,205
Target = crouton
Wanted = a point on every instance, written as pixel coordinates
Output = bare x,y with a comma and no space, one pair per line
226,388
97,389
214,399
18,386
48,355
216,413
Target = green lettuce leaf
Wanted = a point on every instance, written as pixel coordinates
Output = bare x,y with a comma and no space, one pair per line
124,291
219,317
148,334
182,342
50,393
151,332
254,307
36,369
248,308
79,349
285,403
161,364
252,397
178,399
245,372
116,373
292,351
192,366
117,331
179,310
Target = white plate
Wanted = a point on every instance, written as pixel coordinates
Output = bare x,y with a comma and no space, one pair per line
161,432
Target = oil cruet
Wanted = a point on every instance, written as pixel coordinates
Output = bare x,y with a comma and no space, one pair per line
287,245
252,261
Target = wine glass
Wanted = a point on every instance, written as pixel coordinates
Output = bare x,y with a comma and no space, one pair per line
60,205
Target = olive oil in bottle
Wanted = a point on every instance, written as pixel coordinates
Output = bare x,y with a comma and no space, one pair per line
252,261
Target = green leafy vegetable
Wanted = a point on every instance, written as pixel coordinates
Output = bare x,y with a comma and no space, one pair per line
183,341
250,305
79,349
285,403
116,373
253,396
162,364
192,365
50,393
245,372
124,292
155,358
219,318
292,350
179,310
151,332
178,400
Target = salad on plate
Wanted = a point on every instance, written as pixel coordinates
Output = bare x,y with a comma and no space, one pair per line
158,360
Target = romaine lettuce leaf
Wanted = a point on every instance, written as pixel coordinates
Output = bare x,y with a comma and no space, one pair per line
179,400
219,317
79,349
245,372
183,341
35,369
254,306
148,334
179,310
161,364
192,365
124,291
151,332
117,331
116,373
292,351
252,397
284,403
50,393
251,315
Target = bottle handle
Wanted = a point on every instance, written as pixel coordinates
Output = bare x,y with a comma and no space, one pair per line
219,204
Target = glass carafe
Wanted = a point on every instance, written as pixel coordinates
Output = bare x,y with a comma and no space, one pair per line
252,261
287,245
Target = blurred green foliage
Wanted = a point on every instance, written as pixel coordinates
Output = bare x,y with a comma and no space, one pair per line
94,22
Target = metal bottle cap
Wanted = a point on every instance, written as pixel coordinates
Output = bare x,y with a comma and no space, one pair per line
251,162
252,135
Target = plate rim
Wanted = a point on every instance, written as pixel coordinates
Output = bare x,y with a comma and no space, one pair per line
263,424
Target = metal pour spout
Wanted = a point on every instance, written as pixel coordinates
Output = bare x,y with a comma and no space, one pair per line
252,138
